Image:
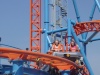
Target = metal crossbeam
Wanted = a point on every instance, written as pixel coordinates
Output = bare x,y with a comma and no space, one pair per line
91,37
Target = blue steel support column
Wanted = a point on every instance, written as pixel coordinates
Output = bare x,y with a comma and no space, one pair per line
84,46
76,10
58,30
84,35
97,3
92,12
82,51
93,35
49,42
96,39
46,26
17,67
91,17
69,31
73,22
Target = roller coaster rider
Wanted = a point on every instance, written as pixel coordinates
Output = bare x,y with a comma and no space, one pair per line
73,47
57,46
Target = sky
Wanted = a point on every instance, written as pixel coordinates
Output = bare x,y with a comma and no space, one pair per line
14,26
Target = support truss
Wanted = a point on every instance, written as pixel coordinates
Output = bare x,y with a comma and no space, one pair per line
35,25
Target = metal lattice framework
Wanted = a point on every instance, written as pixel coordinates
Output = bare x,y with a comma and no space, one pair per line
35,25
71,29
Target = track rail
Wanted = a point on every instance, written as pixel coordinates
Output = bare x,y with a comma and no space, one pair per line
87,26
57,62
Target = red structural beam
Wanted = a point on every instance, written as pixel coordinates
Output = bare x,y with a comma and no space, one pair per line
35,25
87,27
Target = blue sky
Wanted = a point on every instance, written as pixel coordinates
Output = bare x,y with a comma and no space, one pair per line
14,25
